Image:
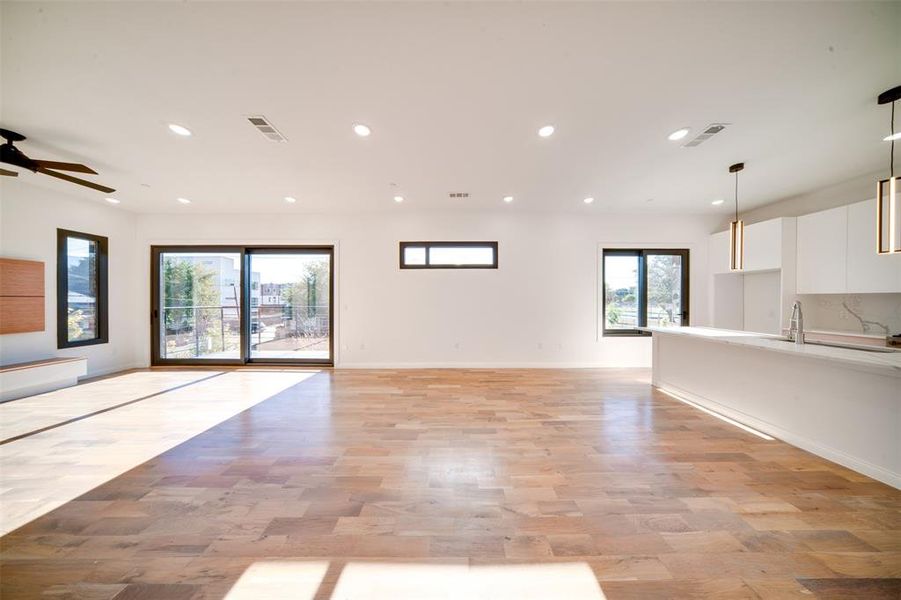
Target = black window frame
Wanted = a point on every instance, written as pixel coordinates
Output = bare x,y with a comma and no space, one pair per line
244,288
429,245
101,302
642,255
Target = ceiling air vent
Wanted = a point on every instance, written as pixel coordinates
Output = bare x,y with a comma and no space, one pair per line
266,128
459,195
709,131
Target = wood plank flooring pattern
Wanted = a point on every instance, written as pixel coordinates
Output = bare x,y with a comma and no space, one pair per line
472,467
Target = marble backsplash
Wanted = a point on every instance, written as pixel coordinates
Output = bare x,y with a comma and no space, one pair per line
836,312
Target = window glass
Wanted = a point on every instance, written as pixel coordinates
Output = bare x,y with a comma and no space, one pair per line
290,308
200,305
81,298
461,255
620,291
664,289
414,255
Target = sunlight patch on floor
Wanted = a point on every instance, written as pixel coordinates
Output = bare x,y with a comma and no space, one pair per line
22,416
279,579
300,580
48,469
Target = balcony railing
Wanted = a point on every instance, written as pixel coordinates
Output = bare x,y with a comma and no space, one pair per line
201,331
627,317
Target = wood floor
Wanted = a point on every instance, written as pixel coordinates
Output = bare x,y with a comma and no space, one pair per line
468,484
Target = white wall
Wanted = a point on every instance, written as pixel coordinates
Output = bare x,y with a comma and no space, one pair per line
540,308
29,218
846,192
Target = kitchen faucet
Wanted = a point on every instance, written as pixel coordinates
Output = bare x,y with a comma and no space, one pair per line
796,324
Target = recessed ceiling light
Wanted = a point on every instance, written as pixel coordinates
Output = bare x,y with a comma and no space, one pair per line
290,199
398,199
546,131
588,200
180,130
362,130
678,134
894,136
184,200
112,201
508,199
717,202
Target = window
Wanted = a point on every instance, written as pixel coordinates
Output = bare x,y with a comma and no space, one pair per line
81,289
448,255
644,288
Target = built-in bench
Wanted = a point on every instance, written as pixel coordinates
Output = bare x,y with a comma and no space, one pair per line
38,376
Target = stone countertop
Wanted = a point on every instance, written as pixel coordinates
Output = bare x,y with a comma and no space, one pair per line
890,361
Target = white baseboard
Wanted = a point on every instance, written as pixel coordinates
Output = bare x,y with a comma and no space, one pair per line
837,456
480,365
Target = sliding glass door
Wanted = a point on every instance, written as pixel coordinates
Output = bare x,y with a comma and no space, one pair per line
234,305
290,305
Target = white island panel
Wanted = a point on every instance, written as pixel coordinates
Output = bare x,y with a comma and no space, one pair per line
843,405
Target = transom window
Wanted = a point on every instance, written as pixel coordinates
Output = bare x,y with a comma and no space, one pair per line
642,288
448,255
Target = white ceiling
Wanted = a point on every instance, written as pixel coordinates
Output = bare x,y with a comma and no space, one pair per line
454,94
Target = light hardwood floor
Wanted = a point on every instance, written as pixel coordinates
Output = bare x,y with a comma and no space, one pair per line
56,446
468,484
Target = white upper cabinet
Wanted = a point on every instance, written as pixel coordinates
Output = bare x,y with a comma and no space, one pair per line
869,272
822,252
763,245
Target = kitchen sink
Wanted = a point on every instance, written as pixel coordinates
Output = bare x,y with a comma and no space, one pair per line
862,347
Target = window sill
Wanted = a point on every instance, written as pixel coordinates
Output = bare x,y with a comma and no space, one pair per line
626,333
92,342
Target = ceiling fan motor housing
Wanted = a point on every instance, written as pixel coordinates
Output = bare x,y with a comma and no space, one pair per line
12,155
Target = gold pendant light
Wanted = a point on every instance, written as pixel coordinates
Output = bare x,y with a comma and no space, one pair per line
888,213
736,229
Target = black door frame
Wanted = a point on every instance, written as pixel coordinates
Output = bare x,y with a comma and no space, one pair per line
244,251
247,252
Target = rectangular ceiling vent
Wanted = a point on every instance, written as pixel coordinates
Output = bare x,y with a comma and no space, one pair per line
709,131
459,195
266,128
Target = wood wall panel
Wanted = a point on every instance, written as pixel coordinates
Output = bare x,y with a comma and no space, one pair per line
21,295
21,315
21,278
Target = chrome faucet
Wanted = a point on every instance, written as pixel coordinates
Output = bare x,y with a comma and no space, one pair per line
796,324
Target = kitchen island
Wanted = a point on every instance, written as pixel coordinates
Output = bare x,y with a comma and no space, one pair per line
838,403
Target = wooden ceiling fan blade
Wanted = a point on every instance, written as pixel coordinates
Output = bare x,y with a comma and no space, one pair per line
8,173
69,178
65,166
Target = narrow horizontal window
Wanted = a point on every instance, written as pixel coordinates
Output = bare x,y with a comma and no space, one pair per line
448,255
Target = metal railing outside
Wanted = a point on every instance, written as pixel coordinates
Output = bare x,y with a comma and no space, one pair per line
194,330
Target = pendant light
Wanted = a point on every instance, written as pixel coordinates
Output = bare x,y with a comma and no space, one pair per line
888,213
736,229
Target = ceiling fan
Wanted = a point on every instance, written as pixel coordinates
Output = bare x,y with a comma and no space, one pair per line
11,155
